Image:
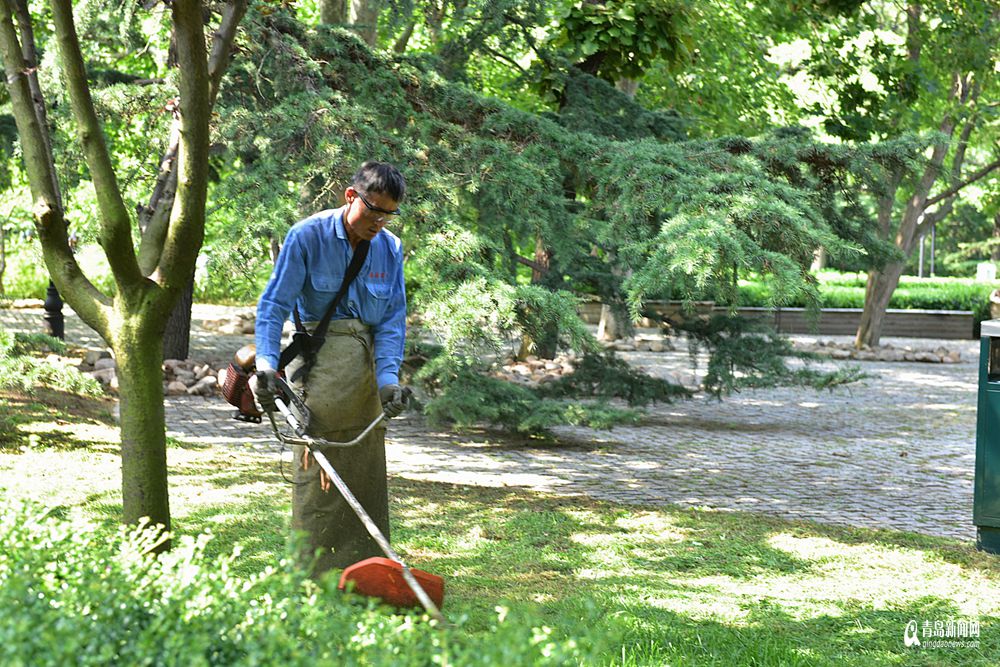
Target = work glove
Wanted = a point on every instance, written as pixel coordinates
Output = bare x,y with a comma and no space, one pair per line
267,389
394,399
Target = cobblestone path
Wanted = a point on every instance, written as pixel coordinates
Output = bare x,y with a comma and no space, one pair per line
894,451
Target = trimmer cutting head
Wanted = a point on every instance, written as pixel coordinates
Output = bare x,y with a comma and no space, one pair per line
383,578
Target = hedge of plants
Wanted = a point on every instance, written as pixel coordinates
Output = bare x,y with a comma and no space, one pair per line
847,290
70,594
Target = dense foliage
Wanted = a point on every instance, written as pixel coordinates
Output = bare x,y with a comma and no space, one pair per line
493,189
534,179
72,594
25,365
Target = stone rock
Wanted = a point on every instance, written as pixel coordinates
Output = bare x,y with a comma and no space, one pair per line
551,366
928,357
837,353
103,375
184,375
176,388
221,375
953,357
548,377
27,303
891,355
171,365
656,346
102,364
625,347
92,356
204,387
230,329
202,371
866,355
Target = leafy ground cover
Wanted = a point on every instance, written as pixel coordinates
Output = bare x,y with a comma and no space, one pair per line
643,585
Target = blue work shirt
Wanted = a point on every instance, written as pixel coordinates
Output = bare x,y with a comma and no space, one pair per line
310,270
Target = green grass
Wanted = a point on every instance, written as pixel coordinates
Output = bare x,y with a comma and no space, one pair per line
671,586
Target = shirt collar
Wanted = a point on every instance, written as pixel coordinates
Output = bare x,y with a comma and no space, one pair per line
338,223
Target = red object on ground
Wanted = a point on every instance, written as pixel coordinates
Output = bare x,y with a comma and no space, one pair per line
383,578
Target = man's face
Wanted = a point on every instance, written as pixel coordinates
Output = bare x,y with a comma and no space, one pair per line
367,213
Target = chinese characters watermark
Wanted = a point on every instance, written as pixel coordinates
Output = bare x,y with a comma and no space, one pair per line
952,633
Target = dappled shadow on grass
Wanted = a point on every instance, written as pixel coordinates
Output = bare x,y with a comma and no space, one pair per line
682,586
56,419
241,501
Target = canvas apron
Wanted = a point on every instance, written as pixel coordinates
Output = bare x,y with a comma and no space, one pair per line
342,395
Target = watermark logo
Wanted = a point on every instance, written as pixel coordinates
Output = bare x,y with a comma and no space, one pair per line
910,637
952,633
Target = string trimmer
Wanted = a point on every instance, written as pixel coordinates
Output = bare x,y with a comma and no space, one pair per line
389,578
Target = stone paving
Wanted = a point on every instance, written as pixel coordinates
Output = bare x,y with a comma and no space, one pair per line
894,451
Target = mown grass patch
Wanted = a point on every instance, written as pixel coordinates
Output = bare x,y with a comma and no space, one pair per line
666,585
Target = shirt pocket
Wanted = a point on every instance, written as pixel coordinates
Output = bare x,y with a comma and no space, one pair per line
376,302
325,283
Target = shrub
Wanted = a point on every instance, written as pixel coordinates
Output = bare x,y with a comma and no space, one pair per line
848,291
72,594
22,371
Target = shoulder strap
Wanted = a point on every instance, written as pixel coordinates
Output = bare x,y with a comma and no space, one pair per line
302,341
353,269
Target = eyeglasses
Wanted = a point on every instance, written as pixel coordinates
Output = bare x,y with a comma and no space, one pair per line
376,209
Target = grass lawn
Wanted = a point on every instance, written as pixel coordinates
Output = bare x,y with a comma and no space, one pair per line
668,586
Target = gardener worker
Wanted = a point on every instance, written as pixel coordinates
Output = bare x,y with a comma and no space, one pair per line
356,372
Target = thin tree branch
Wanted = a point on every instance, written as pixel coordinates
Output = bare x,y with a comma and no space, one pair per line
154,218
985,171
222,45
30,53
116,236
187,217
534,266
85,299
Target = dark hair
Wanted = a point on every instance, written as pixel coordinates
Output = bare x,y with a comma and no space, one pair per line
381,178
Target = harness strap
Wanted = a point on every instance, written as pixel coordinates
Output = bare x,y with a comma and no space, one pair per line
306,344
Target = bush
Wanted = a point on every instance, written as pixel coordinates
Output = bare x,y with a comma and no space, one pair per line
72,594
838,290
22,371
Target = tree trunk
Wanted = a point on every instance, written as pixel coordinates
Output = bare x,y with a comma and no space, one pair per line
177,336
3,256
364,19
878,291
141,416
628,86
608,328
819,260
332,11
545,347
995,251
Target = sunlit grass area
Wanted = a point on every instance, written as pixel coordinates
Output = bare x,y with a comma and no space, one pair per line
670,586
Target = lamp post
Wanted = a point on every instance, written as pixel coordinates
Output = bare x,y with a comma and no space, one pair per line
55,323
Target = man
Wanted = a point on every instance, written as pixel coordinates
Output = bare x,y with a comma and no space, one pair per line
356,372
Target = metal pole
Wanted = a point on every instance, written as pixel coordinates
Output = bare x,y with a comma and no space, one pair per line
920,262
933,238
377,535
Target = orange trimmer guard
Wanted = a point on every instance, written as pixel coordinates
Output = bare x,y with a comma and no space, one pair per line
383,578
